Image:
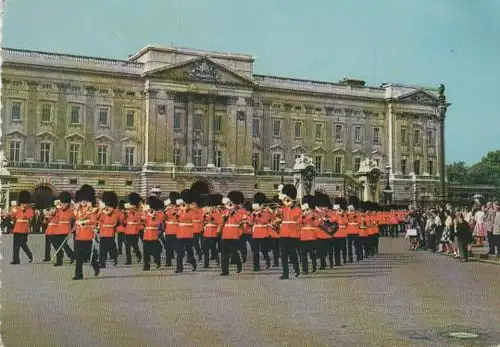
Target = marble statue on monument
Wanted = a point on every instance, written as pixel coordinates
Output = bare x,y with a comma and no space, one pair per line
304,173
369,176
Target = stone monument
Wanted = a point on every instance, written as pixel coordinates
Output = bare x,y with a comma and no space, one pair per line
304,173
369,176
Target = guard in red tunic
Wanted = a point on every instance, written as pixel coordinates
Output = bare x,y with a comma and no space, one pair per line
212,219
86,220
49,223
185,234
171,227
108,220
230,230
153,227
260,220
120,229
133,224
289,231
246,235
22,216
309,223
64,223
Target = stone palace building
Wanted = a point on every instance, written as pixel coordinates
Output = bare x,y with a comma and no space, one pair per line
169,117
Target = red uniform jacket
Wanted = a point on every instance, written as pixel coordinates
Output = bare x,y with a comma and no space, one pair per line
289,222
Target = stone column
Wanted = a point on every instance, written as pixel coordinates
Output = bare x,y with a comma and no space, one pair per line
211,118
441,150
247,163
146,129
390,133
170,112
231,132
189,131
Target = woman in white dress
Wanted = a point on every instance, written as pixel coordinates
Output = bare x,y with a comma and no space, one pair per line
479,229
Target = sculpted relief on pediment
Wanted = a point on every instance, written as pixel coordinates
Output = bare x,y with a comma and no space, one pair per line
420,97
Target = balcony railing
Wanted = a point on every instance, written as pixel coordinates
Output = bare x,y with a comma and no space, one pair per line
201,170
76,167
290,173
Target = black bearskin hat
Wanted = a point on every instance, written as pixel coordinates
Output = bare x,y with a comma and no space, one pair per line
209,200
322,200
236,197
64,197
134,199
24,197
217,199
310,200
290,191
276,199
341,202
87,193
259,198
173,196
187,196
247,205
155,203
78,196
121,204
110,199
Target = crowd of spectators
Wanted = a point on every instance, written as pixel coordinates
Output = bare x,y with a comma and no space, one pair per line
455,230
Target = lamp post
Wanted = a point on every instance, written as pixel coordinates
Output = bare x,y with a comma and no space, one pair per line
282,170
388,190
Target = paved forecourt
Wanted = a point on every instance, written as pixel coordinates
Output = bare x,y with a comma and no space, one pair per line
398,298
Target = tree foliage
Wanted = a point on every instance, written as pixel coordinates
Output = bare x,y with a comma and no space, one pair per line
486,171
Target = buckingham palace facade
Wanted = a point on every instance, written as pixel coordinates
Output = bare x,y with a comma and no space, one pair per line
168,117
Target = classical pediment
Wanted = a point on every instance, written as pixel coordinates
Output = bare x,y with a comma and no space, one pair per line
46,134
202,69
299,149
319,149
104,138
339,151
75,136
375,152
419,96
277,147
132,139
358,152
15,133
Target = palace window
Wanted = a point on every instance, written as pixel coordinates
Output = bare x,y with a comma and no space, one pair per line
376,135
130,119
46,113
338,132
404,136
74,153
357,134
416,137
430,137
277,127
197,122
217,123
276,161
338,164
298,129
177,120
319,131
357,164
45,152
403,166
15,115
177,156
318,163
102,155
15,151
218,158
103,117
416,167
129,156
430,167
75,115
256,127
197,157
256,161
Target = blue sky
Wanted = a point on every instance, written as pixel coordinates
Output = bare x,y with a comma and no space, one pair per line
425,42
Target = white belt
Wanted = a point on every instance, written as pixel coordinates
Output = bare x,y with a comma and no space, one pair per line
52,224
288,222
171,223
152,228
108,225
22,220
342,226
232,225
261,225
185,224
63,222
211,225
309,228
196,221
353,223
132,223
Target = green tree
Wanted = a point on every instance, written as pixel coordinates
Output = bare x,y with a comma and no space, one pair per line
487,171
457,172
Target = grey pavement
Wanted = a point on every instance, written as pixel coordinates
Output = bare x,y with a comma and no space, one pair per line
398,298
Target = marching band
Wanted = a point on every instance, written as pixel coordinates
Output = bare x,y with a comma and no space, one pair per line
213,228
